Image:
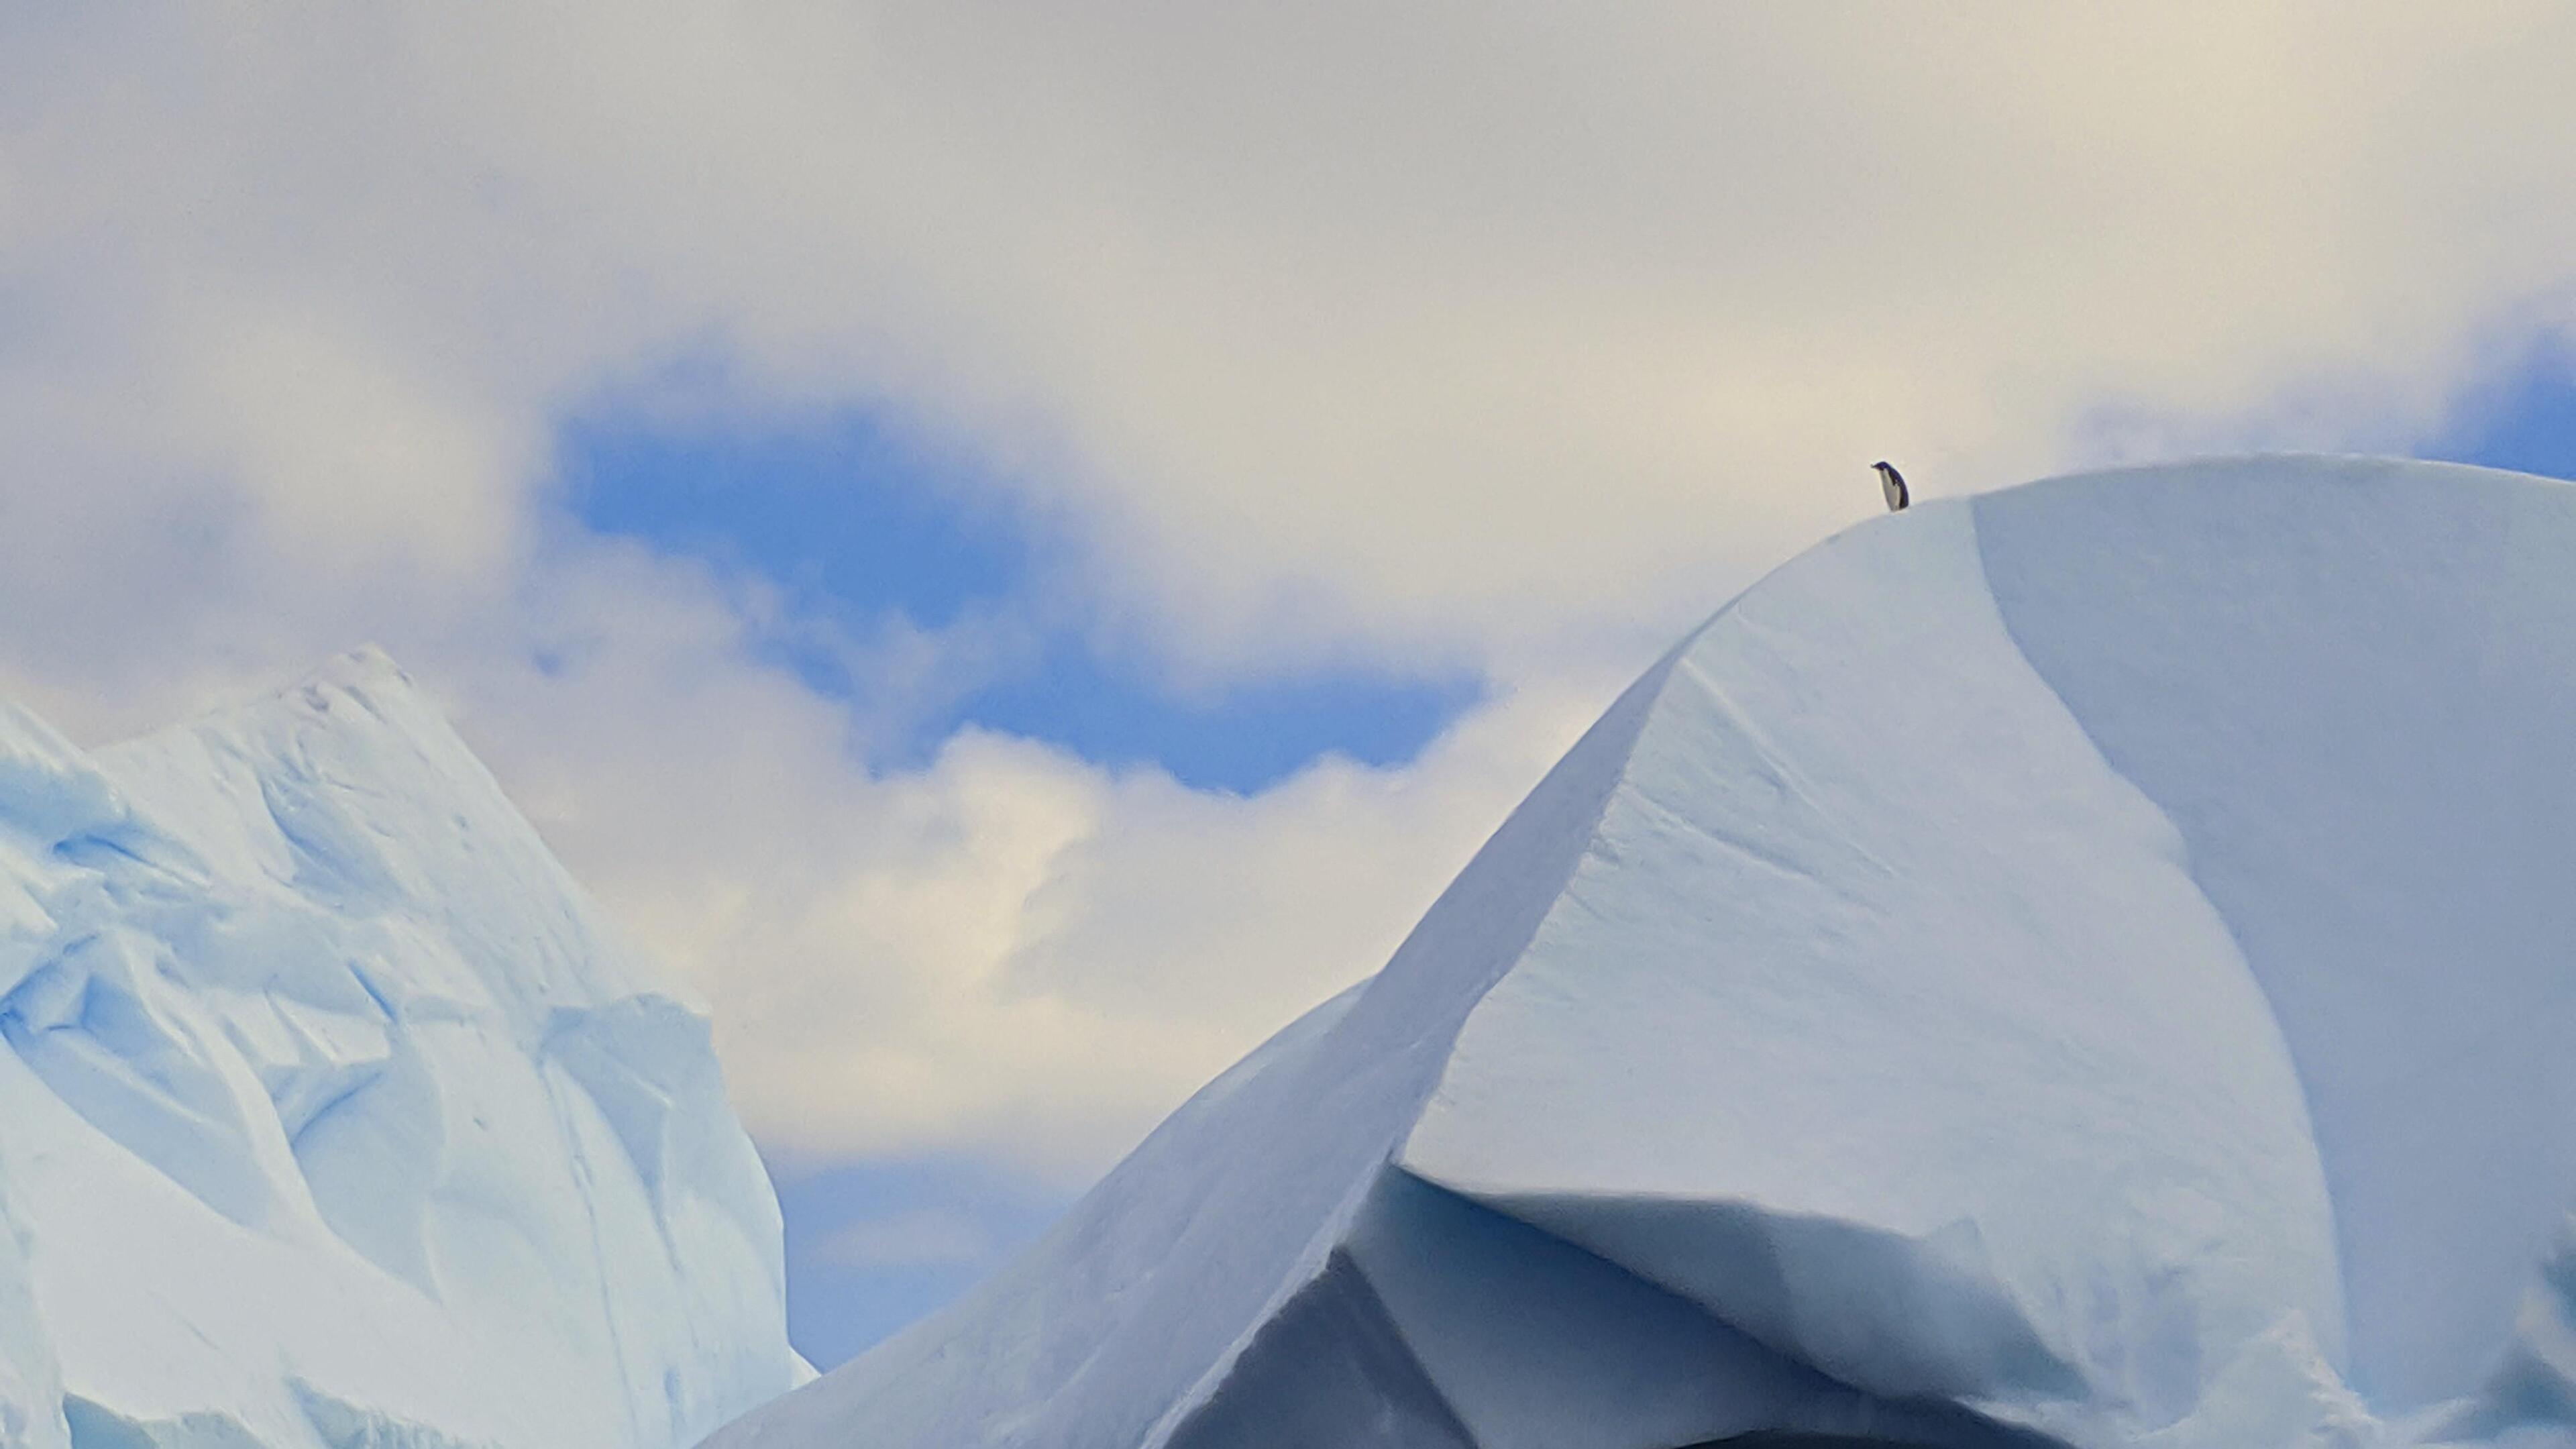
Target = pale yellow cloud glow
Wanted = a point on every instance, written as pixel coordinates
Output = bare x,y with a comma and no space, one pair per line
1499,336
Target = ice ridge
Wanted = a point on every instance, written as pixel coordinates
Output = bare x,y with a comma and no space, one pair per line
2082,966
332,1115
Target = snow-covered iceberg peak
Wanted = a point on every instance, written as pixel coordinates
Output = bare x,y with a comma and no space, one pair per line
331,1115
2086,965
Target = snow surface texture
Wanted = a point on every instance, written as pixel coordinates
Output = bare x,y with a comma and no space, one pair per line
2091,964
331,1116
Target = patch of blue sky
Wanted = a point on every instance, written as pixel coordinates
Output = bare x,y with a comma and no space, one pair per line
857,524
836,510
1243,739
872,1246
2524,419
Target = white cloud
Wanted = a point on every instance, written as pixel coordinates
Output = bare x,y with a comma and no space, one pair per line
1010,951
1505,335
1421,321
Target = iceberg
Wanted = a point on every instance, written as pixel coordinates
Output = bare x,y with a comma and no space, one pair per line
2087,965
331,1114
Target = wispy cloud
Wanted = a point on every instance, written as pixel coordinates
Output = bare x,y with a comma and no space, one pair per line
1499,338
919,1238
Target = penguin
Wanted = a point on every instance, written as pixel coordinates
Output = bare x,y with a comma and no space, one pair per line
1891,483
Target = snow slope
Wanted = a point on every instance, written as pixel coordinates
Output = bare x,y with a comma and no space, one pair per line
330,1115
2089,964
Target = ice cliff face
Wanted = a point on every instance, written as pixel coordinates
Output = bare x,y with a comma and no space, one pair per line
330,1115
2089,965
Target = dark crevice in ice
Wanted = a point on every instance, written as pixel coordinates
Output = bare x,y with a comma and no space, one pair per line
1329,1371
1786,1440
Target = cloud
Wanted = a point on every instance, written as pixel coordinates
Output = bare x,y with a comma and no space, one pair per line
1505,336
919,1238
1425,323
1010,951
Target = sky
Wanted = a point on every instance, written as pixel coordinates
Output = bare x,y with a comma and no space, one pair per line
1016,548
